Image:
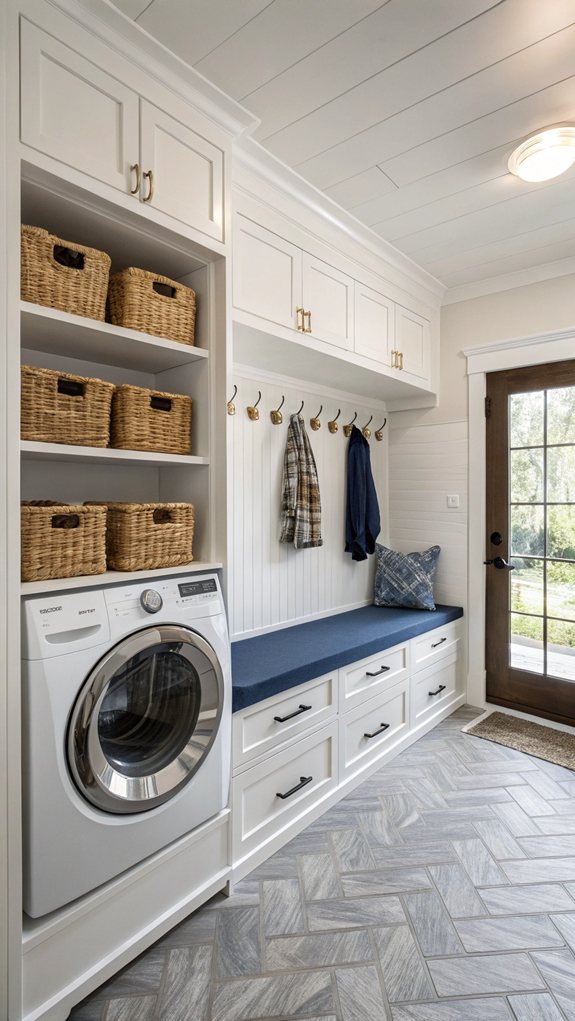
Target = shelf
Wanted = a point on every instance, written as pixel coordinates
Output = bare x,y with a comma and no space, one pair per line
55,332
31,450
34,588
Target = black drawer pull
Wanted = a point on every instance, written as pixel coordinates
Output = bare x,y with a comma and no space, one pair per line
439,690
298,712
376,673
303,780
382,727
440,642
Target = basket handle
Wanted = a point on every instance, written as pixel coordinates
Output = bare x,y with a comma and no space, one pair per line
65,520
161,403
71,387
162,516
65,256
164,290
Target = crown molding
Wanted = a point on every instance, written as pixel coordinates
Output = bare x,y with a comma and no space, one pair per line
515,342
509,281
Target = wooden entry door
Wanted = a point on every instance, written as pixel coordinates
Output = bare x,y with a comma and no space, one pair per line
530,541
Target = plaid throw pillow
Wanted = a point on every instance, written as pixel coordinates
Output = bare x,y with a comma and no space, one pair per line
405,579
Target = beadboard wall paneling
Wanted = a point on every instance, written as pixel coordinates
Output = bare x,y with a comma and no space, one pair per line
273,584
426,463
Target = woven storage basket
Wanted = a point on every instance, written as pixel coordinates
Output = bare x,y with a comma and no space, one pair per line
58,407
145,301
62,540
62,274
151,420
141,536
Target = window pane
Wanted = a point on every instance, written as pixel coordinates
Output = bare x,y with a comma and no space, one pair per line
527,585
527,476
527,531
561,649
561,415
526,648
561,532
560,590
561,474
526,419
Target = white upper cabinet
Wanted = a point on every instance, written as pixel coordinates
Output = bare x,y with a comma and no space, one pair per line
374,324
266,274
75,112
327,302
413,342
186,171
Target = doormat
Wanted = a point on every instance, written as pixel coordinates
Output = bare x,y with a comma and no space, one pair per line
533,738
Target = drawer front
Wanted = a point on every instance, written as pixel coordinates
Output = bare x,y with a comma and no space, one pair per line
432,689
267,726
276,791
367,677
370,728
436,644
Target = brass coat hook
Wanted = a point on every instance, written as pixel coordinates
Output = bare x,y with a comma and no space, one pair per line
379,432
253,413
333,426
230,405
367,432
347,428
315,422
276,415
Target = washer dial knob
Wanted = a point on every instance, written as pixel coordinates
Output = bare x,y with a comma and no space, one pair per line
151,600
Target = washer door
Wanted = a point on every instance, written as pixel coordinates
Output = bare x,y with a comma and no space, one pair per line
145,719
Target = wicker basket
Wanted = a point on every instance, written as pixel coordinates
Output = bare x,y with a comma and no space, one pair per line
58,407
63,275
141,536
62,540
154,304
151,420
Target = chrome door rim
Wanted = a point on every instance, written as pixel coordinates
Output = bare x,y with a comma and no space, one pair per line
96,778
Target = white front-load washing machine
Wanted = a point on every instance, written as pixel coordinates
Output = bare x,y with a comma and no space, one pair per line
127,729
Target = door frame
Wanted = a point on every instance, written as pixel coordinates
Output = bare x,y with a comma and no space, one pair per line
519,352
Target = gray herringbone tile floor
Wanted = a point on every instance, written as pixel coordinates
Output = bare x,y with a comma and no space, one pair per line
442,888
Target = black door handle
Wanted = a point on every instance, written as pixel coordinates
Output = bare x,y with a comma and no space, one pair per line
303,780
500,564
376,673
439,690
298,712
382,727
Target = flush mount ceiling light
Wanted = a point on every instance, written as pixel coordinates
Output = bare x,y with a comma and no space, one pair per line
545,155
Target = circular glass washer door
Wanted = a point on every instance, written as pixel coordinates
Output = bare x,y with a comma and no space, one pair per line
145,719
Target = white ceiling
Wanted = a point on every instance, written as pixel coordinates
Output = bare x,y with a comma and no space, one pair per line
404,112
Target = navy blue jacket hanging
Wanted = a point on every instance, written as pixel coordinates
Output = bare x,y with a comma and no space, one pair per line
362,524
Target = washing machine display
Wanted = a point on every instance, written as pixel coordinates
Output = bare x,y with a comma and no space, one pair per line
145,719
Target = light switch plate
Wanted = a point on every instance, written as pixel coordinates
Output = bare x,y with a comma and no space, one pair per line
453,501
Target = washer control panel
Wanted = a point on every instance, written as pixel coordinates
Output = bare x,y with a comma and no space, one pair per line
177,598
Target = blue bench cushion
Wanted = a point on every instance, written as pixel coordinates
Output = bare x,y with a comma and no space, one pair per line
271,663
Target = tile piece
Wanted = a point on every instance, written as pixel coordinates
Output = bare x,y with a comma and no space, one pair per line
517,821
300,994
200,927
516,932
490,1009
470,798
185,991
540,870
352,851
546,786
354,912
457,890
550,847
282,907
535,1007
238,942
498,839
554,825
478,863
569,788
360,994
279,866
565,807
320,880
378,828
318,951
558,970
466,813
433,928
384,881
526,900
136,1008
404,976
425,793
530,801
494,973
415,854
400,809
566,926
89,1010
142,976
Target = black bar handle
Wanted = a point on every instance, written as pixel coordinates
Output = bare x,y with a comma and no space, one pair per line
303,780
298,712
382,670
440,642
439,690
382,727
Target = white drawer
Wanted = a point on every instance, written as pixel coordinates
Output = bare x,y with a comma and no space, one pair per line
433,688
262,798
365,678
266,726
370,728
434,645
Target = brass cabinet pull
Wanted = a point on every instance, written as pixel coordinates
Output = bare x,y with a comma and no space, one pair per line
149,174
307,329
394,359
135,169
400,354
300,321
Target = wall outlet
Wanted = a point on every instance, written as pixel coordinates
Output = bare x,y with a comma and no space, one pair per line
453,501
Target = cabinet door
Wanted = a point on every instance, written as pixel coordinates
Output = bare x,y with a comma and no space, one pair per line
413,341
267,274
75,112
374,324
328,295
187,172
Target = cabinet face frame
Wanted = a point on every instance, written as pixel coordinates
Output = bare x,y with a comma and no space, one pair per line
318,280
413,341
369,342
255,276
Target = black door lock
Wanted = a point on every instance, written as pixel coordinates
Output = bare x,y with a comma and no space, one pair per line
500,564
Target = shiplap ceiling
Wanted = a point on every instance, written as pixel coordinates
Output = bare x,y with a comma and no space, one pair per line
404,112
